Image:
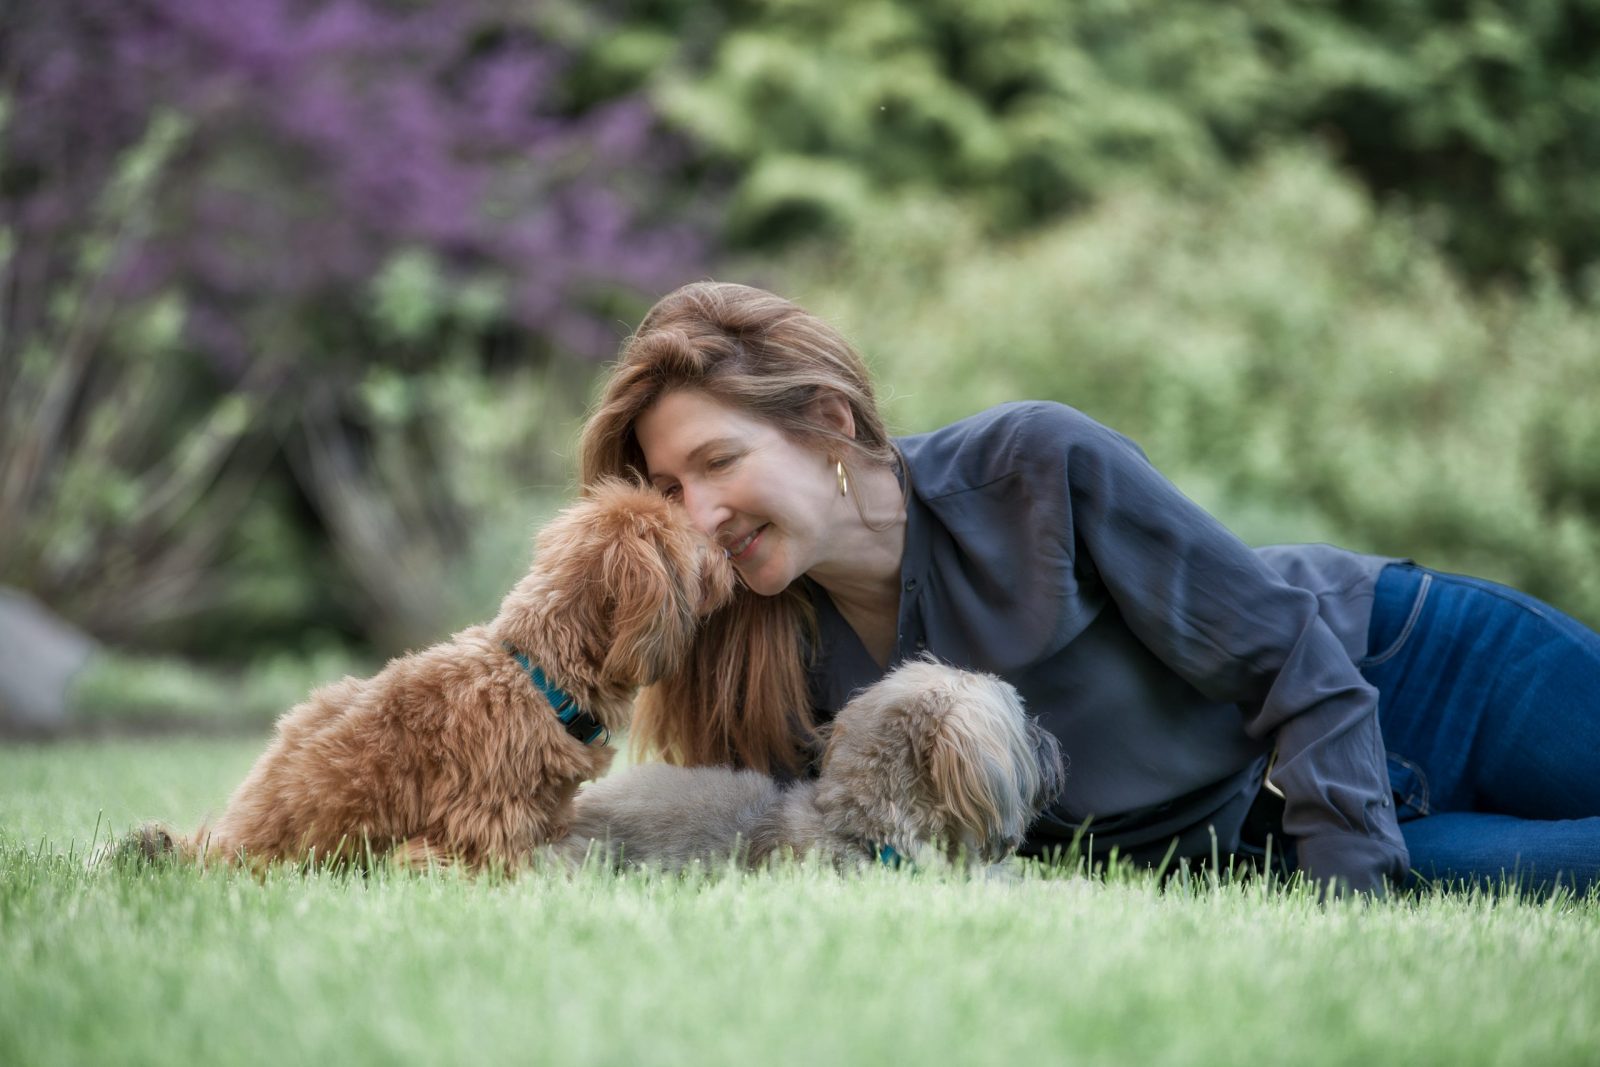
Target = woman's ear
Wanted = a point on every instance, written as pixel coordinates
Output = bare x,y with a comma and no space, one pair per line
831,409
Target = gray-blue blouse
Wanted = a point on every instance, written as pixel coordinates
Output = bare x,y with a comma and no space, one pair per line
1167,656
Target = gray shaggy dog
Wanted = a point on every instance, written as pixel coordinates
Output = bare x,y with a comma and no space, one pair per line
929,762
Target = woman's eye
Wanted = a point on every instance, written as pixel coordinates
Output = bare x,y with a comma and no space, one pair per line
672,492
721,463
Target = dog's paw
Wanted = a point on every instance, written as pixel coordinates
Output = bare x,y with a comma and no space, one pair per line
156,842
1006,870
151,843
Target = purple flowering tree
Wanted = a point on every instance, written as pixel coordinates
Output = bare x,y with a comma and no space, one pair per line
253,249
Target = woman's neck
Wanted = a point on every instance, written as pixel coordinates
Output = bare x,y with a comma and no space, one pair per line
862,573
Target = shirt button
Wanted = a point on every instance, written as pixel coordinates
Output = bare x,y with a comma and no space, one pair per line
921,644
911,584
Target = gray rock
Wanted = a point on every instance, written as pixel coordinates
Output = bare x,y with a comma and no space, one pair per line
39,655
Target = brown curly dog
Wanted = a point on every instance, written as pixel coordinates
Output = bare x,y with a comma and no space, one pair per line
470,751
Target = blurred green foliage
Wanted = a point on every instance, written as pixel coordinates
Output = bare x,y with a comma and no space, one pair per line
1305,365
1334,264
120,472
169,692
297,300
366,493
1486,114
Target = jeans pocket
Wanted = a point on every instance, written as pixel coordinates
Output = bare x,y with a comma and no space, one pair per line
1405,631
1410,786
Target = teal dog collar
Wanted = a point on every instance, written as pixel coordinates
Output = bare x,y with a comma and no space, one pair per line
579,723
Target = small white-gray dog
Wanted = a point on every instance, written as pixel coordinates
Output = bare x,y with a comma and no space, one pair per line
929,758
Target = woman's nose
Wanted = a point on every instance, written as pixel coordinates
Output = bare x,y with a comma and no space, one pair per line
705,512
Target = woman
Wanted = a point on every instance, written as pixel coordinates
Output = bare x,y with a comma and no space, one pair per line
1192,681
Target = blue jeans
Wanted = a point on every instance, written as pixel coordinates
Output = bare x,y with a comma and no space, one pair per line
1489,703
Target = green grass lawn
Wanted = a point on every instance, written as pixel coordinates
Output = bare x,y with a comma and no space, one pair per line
790,966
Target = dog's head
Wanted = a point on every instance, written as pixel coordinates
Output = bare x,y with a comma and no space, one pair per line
619,584
932,753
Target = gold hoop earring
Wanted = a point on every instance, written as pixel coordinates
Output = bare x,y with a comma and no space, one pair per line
844,483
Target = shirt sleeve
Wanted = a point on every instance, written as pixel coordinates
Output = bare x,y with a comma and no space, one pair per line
1206,605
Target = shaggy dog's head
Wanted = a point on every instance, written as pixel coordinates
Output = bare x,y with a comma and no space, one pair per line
932,753
619,584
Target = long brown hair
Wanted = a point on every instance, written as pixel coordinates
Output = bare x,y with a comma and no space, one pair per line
742,697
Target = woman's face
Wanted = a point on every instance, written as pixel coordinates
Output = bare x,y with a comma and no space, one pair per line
769,501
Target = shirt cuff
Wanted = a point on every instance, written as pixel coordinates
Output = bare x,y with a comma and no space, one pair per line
1343,862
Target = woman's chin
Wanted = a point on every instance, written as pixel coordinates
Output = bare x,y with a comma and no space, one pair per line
765,581
765,588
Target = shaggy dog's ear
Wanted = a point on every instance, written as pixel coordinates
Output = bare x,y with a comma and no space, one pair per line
822,735
973,774
1052,765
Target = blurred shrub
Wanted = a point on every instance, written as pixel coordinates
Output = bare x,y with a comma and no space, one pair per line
141,692
297,297
105,511
819,113
1305,365
329,136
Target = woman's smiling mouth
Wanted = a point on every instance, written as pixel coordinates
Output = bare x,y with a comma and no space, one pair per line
742,549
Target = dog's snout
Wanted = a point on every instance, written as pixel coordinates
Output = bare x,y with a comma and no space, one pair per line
1052,767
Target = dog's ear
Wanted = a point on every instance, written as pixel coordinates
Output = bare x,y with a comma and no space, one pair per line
946,756
652,615
973,777
822,735
1052,765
